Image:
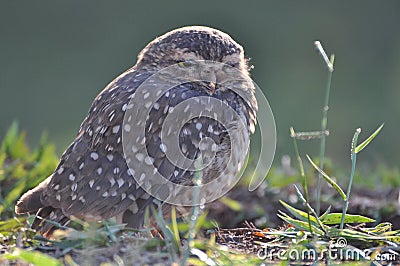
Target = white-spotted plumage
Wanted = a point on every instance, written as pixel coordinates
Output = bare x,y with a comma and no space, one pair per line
93,180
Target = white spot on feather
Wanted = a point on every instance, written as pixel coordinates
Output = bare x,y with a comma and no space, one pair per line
72,176
134,149
149,160
111,116
186,108
127,127
131,197
120,182
142,176
60,170
131,172
184,148
163,148
115,129
134,207
94,155
139,157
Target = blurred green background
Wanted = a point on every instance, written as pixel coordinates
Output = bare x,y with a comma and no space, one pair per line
56,56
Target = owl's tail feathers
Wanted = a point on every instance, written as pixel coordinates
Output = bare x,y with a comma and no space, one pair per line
30,202
48,220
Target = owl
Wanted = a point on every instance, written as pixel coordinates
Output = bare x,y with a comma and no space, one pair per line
130,154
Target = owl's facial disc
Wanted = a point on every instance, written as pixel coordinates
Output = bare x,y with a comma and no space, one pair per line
223,58
212,76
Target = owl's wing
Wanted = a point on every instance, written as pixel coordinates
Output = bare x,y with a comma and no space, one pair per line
92,179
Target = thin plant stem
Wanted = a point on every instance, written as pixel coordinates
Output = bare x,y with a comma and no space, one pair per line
353,167
303,176
194,215
324,123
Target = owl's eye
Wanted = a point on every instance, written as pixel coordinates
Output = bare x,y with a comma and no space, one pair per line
188,63
233,64
180,63
229,66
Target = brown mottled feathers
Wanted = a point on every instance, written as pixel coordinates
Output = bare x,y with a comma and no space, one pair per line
93,181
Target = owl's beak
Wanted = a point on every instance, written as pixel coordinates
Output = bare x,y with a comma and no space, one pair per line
212,87
213,81
209,80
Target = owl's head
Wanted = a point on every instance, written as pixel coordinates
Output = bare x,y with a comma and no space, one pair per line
183,45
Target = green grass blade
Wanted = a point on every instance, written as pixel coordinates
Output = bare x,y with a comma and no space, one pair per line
299,224
301,197
303,176
303,216
328,179
175,230
381,228
322,217
335,218
353,157
168,234
368,140
32,257
360,236
310,210
232,204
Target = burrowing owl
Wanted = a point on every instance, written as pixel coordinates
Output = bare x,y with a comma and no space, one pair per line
95,180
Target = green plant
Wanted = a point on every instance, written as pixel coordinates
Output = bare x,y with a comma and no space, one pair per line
325,225
21,168
324,121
